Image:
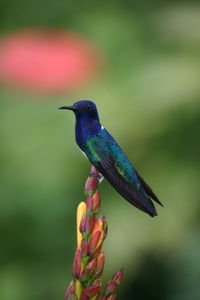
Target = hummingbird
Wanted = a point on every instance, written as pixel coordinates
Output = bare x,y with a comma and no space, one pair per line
104,153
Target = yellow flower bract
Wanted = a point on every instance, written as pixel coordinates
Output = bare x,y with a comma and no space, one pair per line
81,210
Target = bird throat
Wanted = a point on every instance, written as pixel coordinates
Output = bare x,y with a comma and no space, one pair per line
86,128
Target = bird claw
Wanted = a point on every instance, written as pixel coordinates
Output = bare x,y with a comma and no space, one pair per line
92,174
98,176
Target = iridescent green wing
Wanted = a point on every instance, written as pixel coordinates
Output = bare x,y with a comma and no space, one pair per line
112,163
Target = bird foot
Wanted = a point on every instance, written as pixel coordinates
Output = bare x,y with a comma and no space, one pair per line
98,176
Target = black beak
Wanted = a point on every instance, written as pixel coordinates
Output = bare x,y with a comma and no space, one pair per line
68,107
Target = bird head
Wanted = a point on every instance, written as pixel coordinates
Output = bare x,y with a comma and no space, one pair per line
84,108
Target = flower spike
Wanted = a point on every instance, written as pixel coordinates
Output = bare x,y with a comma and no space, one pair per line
89,259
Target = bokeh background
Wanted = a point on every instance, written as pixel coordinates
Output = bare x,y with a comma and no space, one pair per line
140,62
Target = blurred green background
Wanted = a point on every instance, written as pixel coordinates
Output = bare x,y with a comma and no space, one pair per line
148,96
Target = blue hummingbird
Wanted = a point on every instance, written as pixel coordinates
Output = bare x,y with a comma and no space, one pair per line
106,155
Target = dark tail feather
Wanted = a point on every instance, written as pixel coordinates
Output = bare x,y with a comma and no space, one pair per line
148,190
128,191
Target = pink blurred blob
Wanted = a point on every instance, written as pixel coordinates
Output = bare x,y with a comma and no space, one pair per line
47,60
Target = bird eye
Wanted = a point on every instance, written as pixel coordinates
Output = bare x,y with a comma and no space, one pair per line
89,107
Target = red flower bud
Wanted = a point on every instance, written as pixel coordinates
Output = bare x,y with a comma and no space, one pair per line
118,276
89,270
109,290
72,297
70,290
100,264
92,182
98,249
93,203
94,242
89,203
111,287
77,264
84,248
84,295
87,224
96,227
94,289
101,225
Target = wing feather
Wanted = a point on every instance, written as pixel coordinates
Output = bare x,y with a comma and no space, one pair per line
148,190
106,155
108,169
